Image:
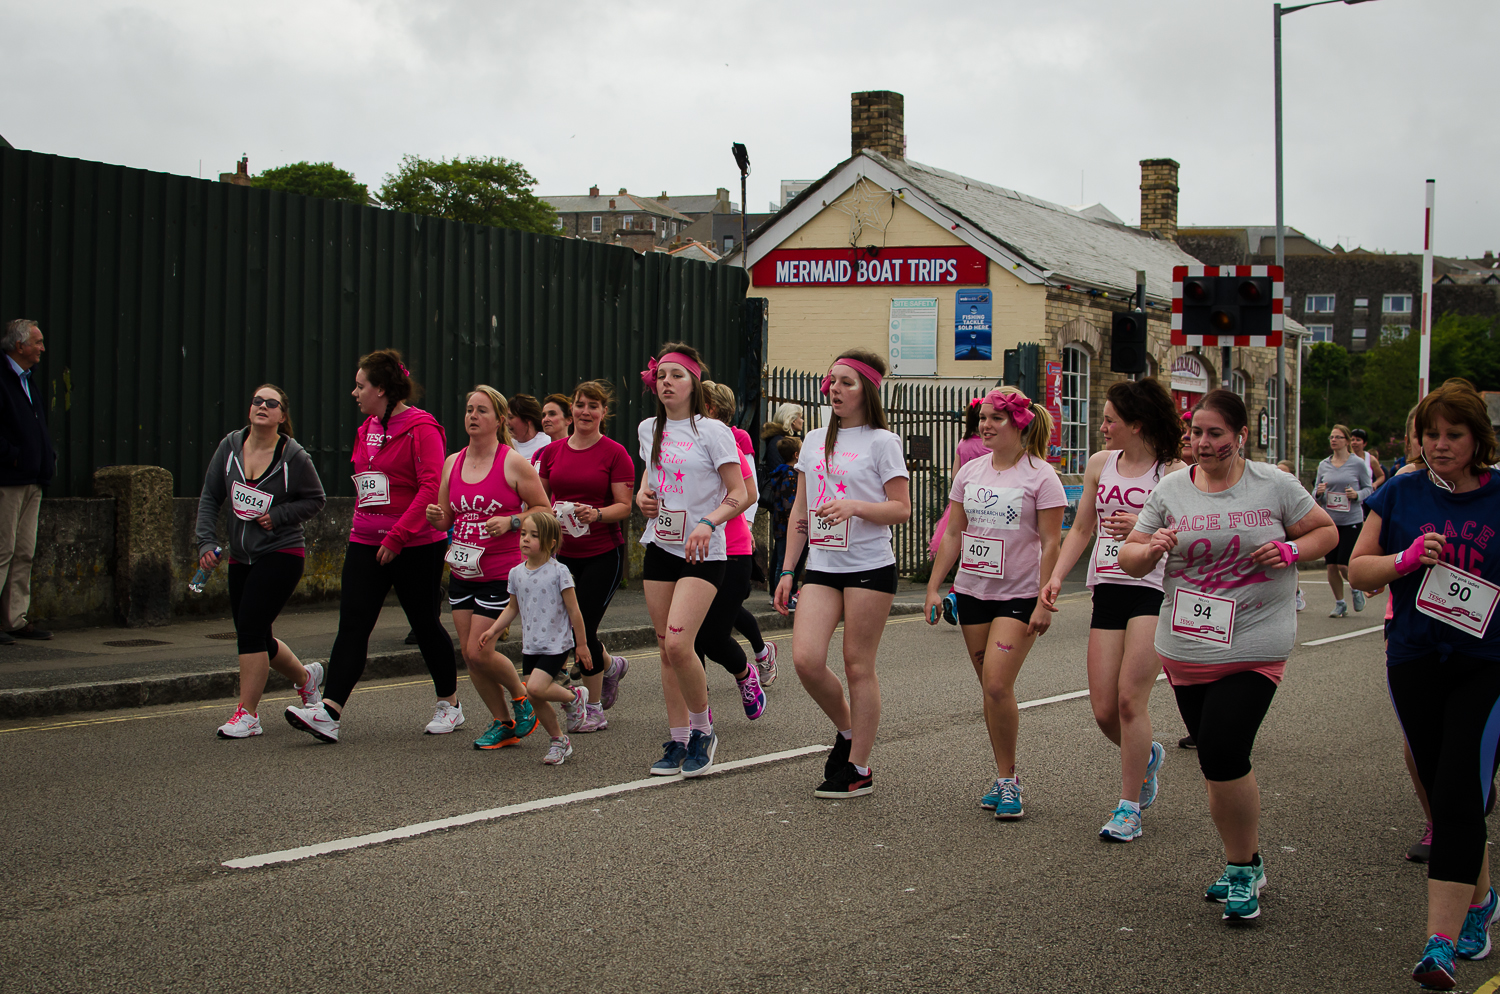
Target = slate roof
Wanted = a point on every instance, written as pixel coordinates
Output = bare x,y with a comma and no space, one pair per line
625,203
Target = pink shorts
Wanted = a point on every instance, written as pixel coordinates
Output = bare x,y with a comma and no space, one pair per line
1182,674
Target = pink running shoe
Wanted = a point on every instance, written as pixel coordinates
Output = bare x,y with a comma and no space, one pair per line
618,667
593,719
751,695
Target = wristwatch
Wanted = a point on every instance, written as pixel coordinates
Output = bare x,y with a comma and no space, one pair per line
515,522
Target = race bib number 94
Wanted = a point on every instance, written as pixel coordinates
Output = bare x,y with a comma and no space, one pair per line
1457,598
1203,617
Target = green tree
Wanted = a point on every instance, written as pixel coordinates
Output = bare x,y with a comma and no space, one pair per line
314,179
491,190
1466,346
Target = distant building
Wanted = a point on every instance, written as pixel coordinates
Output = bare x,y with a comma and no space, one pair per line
241,174
642,223
722,231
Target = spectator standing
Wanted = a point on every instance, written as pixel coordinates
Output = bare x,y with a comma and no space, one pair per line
27,461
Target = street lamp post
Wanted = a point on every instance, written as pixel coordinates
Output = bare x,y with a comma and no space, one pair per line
1279,13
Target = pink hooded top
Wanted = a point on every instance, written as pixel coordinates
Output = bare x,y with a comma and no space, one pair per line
409,452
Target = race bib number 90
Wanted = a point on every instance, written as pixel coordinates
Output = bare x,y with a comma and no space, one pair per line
1203,617
1457,598
982,556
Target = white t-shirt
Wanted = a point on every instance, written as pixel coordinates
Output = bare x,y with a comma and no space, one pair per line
538,442
1001,507
864,461
687,479
545,627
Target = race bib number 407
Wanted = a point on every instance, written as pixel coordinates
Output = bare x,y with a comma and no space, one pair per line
1457,598
982,556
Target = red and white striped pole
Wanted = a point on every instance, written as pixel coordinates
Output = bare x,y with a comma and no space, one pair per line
1425,345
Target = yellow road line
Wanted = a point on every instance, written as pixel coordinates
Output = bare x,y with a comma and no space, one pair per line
1490,986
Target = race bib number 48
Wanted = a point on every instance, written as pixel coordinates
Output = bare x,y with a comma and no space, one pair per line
371,489
982,556
247,502
1457,598
827,535
1203,617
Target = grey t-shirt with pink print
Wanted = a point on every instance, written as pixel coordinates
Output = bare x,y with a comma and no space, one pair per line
1217,534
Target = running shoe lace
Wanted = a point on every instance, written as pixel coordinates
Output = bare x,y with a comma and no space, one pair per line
238,714
747,692
1010,791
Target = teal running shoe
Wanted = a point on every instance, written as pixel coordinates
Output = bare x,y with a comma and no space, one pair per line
1008,807
1219,889
1149,786
988,801
1123,825
1474,940
525,716
1435,970
950,608
1242,899
499,735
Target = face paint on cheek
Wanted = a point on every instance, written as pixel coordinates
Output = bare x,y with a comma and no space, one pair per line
1223,451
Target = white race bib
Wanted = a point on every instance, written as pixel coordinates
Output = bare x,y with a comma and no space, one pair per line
247,502
464,560
670,525
371,489
1107,555
1457,598
1337,500
1203,617
982,556
827,535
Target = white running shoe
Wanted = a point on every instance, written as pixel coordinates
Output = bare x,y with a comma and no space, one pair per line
241,726
1301,601
767,665
578,710
311,691
445,719
317,721
560,750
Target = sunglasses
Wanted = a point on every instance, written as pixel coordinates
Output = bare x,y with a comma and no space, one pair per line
263,402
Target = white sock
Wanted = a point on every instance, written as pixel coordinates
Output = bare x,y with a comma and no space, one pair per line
701,721
863,771
1132,805
681,735
847,733
765,651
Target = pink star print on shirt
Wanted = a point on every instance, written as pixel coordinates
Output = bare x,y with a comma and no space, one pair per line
839,487
679,475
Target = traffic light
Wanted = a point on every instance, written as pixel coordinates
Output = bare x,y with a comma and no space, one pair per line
1227,305
1127,343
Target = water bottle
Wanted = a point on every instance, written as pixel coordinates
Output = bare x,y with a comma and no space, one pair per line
200,578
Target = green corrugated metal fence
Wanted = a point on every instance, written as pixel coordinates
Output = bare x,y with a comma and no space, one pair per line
166,300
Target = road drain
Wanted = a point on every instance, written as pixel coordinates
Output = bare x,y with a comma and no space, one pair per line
222,635
135,643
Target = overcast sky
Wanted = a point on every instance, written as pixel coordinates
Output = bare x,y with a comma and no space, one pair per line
1058,99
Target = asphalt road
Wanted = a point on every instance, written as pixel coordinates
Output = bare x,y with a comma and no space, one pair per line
117,826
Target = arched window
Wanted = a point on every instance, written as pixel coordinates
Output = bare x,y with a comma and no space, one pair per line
1074,401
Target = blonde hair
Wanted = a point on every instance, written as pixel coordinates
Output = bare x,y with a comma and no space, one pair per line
1345,430
1037,436
720,400
502,409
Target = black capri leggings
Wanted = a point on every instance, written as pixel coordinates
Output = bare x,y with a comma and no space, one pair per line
416,573
1223,717
716,639
257,593
595,580
1450,713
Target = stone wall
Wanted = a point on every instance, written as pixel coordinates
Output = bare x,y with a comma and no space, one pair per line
72,577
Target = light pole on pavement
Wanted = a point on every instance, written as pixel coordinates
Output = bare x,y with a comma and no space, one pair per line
1279,13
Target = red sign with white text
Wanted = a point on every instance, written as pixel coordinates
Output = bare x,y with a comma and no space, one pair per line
942,265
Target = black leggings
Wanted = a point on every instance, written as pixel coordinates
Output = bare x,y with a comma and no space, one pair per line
1450,713
257,593
716,639
595,580
415,573
1223,718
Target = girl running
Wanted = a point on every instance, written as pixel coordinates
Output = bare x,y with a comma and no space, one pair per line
542,595
1141,434
398,468
852,485
970,447
272,488
486,485
690,487
588,476
1441,655
1228,530
1004,530
1341,486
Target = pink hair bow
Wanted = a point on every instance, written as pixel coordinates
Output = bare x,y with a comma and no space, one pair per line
648,375
404,371
1016,406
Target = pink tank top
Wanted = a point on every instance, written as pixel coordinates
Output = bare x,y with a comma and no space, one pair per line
474,555
737,541
1127,494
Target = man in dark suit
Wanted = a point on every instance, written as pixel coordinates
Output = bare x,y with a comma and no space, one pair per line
27,461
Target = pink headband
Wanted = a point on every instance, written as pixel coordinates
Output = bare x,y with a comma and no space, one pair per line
648,375
867,371
1016,406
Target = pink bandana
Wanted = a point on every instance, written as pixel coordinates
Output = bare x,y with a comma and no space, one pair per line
1016,406
648,375
868,372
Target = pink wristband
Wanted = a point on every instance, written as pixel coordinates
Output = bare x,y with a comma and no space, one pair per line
1409,560
1288,554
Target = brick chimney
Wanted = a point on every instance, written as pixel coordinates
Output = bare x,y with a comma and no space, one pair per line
241,174
1159,197
877,121
594,191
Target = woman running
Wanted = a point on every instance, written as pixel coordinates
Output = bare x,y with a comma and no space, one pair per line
398,468
486,485
970,447
587,477
690,487
1228,529
1141,435
525,423
1341,486
1441,655
1004,531
852,485
272,488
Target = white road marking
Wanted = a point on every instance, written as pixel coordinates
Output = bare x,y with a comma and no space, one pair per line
1073,696
1346,635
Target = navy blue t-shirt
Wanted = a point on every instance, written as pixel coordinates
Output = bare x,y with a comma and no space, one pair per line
1413,505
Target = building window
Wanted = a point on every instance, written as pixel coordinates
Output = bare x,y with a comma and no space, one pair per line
1272,448
1074,401
674,227
1320,332
1397,303
1239,385
1359,334
1319,303
629,220
1398,331
651,223
598,224
728,245
1361,301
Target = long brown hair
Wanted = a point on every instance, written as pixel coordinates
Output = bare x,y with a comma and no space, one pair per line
601,391
700,402
1147,403
869,392
386,370
285,428
1457,402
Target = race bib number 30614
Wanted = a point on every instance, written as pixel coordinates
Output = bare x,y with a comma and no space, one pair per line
1457,598
247,502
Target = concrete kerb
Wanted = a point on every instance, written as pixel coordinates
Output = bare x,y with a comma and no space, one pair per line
135,692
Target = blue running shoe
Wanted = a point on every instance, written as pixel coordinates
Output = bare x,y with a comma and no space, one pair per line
950,608
1008,807
670,764
1123,825
700,753
1242,898
1474,940
988,801
1219,889
1149,786
1435,971
525,716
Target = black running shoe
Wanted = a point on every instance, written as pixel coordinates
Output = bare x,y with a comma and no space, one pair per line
1421,850
1187,742
837,756
846,782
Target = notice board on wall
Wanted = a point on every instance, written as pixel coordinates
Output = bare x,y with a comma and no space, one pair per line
971,325
913,340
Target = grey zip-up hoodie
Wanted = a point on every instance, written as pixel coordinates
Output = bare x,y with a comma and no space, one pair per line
296,496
